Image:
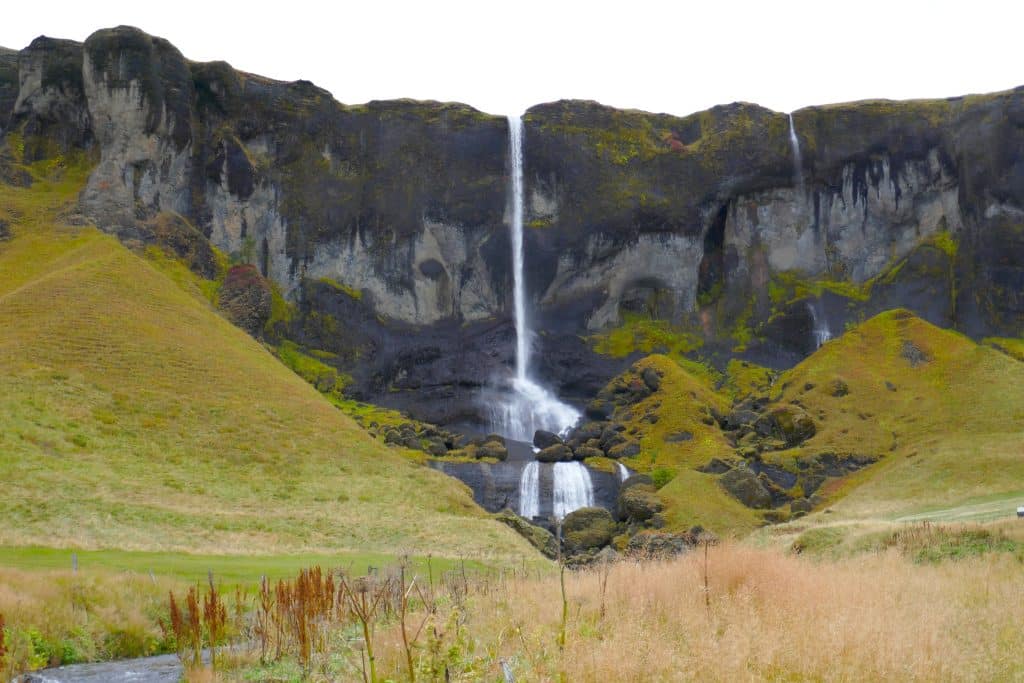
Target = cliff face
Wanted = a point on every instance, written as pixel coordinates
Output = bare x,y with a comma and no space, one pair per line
385,223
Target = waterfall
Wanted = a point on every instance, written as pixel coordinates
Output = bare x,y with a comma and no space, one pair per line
529,491
528,406
622,470
798,162
819,326
573,488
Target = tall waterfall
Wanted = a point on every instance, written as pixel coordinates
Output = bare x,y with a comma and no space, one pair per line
798,162
528,406
573,488
529,491
819,326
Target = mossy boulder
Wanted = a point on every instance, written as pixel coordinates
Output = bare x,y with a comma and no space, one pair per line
639,503
743,485
587,528
627,449
557,453
540,538
492,449
791,424
584,452
544,439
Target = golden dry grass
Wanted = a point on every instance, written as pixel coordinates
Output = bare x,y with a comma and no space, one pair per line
772,616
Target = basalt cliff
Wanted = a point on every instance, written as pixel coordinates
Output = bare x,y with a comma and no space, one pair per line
380,231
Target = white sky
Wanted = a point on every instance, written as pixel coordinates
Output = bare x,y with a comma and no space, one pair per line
675,57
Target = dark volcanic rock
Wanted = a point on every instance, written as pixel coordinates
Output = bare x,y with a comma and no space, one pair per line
543,439
745,487
384,224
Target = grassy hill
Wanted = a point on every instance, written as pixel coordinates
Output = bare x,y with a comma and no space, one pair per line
947,413
943,416
132,416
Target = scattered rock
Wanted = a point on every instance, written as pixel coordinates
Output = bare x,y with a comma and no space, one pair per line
745,487
624,450
838,388
715,466
651,378
557,453
543,439
678,437
587,528
913,354
890,386
5,231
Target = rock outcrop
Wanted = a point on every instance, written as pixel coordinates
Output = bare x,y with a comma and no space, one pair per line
385,224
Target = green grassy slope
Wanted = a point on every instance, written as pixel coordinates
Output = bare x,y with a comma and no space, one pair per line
943,415
132,416
947,413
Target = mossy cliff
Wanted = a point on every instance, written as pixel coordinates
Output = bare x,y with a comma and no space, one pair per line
383,226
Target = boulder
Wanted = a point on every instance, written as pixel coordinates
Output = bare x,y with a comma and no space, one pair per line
599,409
624,450
636,480
540,538
557,453
743,485
679,436
584,452
492,449
639,503
791,424
715,466
800,506
838,388
651,378
543,439
587,528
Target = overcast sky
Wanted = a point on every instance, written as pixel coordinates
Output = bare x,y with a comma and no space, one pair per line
675,57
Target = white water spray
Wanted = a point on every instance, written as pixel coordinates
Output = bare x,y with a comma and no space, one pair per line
573,488
623,471
819,326
528,406
529,491
798,162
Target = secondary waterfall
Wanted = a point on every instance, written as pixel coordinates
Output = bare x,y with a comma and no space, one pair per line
529,491
573,488
819,326
622,470
798,162
528,406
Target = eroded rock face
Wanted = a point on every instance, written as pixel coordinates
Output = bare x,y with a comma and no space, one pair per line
386,223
